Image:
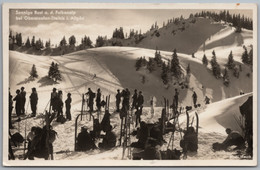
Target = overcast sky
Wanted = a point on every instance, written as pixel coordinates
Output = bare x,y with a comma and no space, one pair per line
54,24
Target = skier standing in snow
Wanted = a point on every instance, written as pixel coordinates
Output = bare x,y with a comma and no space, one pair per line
10,110
134,97
54,98
140,100
23,100
207,100
34,101
176,99
18,104
98,100
59,104
118,100
68,106
90,99
194,97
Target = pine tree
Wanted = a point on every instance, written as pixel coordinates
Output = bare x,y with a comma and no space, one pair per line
175,65
245,56
72,40
151,65
158,58
215,66
138,63
205,60
28,44
51,70
33,41
63,42
165,73
230,63
56,74
33,72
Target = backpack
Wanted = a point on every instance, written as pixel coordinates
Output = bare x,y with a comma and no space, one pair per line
61,119
93,95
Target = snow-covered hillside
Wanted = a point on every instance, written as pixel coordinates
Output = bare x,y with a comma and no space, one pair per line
114,68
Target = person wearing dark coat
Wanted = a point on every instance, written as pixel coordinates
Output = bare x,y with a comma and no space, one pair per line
59,104
54,99
85,141
126,99
142,135
140,100
109,140
68,106
34,101
134,97
18,104
90,99
105,123
118,100
194,97
151,151
10,110
189,141
233,138
98,100
23,100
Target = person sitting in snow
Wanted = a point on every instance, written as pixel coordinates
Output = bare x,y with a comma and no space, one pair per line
233,138
189,141
142,136
151,151
109,140
85,141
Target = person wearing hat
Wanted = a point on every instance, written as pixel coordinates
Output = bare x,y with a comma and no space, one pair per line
23,100
34,101
118,100
234,138
84,140
18,104
90,99
98,100
54,99
68,106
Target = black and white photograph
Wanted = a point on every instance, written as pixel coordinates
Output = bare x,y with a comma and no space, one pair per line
130,84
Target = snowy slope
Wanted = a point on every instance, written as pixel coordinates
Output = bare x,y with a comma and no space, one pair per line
114,68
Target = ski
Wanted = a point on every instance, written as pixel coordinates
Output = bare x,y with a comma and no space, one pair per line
197,123
82,105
